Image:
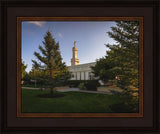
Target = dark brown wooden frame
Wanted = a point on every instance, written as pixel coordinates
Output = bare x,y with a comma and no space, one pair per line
20,19
147,123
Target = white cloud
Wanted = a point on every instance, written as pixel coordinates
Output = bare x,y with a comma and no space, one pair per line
59,35
38,23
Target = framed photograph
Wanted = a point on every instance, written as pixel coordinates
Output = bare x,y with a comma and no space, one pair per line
80,77
80,65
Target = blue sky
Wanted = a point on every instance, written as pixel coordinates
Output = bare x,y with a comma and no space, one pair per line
91,37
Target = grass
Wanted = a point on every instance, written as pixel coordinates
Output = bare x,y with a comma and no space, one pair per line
72,102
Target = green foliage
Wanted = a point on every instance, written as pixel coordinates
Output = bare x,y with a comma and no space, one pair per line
121,64
74,83
27,78
89,84
92,85
127,104
82,86
23,69
124,56
121,60
50,67
101,69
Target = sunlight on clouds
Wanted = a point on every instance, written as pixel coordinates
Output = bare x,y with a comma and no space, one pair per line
38,23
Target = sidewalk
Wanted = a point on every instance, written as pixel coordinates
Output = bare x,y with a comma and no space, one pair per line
31,88
95,92
72,89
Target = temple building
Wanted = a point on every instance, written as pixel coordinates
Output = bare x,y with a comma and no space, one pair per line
80,71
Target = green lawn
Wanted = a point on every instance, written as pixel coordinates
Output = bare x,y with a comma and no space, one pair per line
72,102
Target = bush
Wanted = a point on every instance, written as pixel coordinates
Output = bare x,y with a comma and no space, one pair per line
89,84
92,85
74,83
82,86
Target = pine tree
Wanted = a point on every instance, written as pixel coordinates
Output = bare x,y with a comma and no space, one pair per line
124,56
101,69
50,61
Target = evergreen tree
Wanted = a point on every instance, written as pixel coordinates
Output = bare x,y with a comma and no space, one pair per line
101,69
23,69
121,61
124,56
50,62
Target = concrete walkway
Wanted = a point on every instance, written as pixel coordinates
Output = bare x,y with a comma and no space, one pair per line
31,88
95,92
69,89
72,89
78,90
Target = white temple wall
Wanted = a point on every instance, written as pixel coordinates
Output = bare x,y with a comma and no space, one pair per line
86,75
81,72
78,75
82,75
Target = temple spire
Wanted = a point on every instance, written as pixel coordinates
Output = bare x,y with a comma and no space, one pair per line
74,60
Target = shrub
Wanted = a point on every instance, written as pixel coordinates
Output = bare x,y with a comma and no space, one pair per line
92,85
74,83
82,86
89,84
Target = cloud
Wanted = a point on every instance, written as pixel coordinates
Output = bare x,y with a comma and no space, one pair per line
59,35
38,23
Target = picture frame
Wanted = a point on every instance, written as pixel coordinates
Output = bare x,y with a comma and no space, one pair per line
11,122
22,19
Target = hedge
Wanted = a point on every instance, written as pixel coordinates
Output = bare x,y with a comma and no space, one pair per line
89,84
